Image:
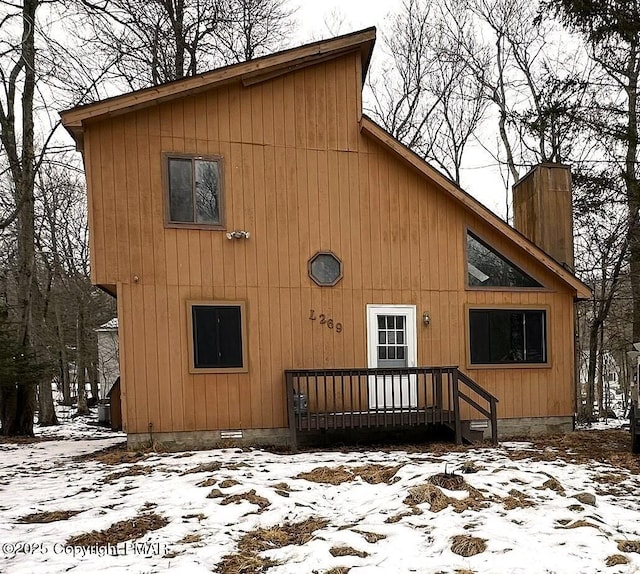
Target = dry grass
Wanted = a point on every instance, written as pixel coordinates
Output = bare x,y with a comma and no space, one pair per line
228,483
577,524
199,517
120,531
398,517
616,560
610,478
244,563
328,475
191,539
450,481
204,467
370,537
338,570
247,561
517,499
135,470
117,454
347,551
629,545
438,500
250,496
466,546
215,493
428,493
208,482
611,447
371,473
552,484
470,467
43,517
377,474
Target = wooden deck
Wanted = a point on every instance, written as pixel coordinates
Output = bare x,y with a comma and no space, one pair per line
368,399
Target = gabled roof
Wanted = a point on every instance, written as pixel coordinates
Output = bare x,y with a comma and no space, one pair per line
251,72
384,138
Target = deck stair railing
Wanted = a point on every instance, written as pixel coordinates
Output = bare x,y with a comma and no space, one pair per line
343,399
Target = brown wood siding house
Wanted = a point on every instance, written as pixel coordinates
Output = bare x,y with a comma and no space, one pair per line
296,165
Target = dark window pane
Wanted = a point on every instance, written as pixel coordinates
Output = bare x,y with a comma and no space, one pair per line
382,337
382,352
507,336
180,190
479,335
401,352
400,322
535,337
207,191
400,337
217,335
487,268
391,352
382,324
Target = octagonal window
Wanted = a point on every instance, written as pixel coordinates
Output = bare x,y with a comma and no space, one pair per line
325,268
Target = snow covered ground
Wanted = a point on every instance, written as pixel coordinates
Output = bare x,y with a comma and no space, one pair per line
228,510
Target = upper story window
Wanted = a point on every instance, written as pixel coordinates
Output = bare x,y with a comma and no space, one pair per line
194,190
487,268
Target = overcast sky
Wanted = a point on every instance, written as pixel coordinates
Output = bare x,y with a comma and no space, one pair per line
481,176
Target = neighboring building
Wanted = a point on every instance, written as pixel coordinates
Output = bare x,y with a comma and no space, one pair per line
251,221
108,359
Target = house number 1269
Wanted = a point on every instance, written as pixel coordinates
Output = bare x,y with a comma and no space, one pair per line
325,321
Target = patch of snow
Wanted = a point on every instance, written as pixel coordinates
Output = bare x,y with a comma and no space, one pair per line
47,476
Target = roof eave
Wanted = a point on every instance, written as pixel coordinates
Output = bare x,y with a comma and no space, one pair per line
250,72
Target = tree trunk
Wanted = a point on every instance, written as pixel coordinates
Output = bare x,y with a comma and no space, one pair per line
601,401
65,379
591,372
26,391
46,409
81,364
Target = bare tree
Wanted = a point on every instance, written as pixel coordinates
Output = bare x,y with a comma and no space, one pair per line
426,94
146,43
253,28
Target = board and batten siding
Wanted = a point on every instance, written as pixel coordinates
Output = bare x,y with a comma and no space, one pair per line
301,178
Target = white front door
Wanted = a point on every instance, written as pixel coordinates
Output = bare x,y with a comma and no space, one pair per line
391,334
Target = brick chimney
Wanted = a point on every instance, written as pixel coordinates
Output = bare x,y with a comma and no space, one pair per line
542,210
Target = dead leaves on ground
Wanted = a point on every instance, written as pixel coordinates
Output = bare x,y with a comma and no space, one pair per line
465,545
247,559
120,531
438,500
44,517
370,473
250,496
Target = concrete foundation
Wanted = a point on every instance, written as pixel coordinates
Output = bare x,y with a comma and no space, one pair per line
532,426
203,440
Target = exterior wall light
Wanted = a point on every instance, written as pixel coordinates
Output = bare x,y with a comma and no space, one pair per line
238,234
426,318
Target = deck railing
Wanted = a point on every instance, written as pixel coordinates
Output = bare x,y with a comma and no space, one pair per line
341,399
